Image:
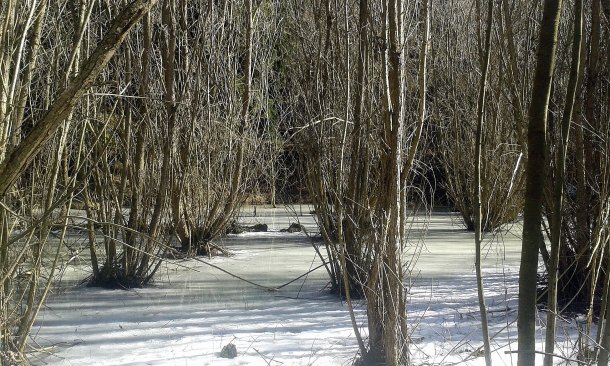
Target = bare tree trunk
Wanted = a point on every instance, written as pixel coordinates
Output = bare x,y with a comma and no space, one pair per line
387,343
532,217
592,161
168,53
138,161
341,194
184,135
604,340
560,167
478,236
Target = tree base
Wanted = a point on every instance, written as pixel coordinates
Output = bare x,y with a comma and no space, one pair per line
116,279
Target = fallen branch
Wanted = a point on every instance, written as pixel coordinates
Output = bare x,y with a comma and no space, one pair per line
551,354
266,288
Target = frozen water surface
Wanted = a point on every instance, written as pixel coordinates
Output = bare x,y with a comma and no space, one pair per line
193,309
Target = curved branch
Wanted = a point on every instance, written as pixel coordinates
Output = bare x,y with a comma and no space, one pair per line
24,153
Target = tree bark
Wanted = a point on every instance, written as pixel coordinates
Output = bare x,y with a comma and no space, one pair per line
138,161
560,166
532,211
168,56
385,291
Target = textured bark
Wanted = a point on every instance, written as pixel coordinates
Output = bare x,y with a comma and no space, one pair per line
532,212
19,159
385,291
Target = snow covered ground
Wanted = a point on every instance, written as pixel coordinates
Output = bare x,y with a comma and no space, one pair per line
193,309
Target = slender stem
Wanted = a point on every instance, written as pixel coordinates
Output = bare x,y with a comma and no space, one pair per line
560,167
478,209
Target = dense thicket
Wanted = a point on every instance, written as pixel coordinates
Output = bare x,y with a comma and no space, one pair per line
142,126
357,127
457,64
148,153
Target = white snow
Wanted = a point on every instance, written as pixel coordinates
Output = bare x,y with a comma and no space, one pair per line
193,309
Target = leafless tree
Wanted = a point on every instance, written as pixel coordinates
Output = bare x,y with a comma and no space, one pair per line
36,194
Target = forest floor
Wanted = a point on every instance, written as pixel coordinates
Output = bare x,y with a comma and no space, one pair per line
193,309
